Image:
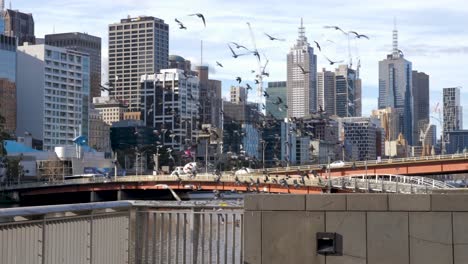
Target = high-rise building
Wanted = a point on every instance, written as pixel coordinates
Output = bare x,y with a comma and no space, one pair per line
178,62
137,46
2,21
99,132
358,97
8,82
458,141
302,77
326,98
110,109
169,104
210,100
243,113
53,83
389,120
238,95
345,93
275,104
84,43
20,25
395,88
420,104
453,111
362,133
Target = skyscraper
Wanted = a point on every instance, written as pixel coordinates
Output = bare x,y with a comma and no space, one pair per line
273,106
137,46
2,21
8,82
52,87
395,88
20,25
211,102
453,111
421,104
169,104
85,43
326,99
345,83
238,95
302,77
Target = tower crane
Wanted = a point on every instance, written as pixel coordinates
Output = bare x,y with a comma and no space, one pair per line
259,61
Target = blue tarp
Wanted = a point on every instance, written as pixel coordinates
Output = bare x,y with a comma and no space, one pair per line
13,147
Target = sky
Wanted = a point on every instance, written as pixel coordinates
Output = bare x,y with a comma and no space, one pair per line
432,34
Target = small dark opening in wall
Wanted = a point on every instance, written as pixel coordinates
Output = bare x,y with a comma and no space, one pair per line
329,244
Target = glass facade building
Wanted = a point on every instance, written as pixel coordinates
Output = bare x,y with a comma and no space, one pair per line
8,82
275,104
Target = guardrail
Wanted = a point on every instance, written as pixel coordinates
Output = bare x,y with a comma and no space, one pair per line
123,232
363,163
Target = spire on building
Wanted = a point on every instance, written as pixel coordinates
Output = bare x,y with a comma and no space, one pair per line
302,40
395,51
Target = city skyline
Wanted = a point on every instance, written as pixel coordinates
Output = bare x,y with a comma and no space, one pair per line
429,44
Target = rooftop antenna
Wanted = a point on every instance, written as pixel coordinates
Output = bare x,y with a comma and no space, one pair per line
2,5
53,29
10,6
395,51
201,52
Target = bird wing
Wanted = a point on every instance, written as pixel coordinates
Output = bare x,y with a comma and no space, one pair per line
354,32
363,36
203,18
177,20
270,37
233,53
318,45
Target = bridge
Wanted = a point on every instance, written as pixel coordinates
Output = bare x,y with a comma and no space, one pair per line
161,187
427,165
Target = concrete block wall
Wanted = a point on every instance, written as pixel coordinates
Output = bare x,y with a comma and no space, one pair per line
375,228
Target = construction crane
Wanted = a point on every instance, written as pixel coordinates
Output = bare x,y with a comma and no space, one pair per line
422,138
260,68
443,140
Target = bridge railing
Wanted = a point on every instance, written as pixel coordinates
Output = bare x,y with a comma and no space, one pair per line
369,162
123,232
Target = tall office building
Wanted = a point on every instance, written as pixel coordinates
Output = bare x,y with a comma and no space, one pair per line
389,120
111,110
85,43
52,88
178,62
137,46
364,133
169,104
358,97
8,82
2,21
20,25
420,104
395,88
276,103
326,98
238,95
345,93
211,102
453,111
302,77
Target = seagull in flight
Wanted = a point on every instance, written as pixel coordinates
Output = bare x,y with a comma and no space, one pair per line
200,16
181,26
333,62
336,28
318,45
359,35
219,64
235,55
239,79
238,46
273,38
302,69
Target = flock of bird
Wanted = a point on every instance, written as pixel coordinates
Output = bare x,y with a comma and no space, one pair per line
265,121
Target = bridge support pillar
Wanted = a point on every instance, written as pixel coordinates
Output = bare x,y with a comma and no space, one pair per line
94,197
122,195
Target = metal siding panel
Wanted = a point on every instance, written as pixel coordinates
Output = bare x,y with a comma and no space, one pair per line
110,239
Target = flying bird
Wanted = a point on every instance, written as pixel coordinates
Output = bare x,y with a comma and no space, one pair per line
219,64
302,69
273,38
238,46
249,87
359,35
200,16
333,62
239,79
335,28
266,94
234,55
318,45
255,53
181,26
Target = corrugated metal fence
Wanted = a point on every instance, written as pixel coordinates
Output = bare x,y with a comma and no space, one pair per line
121,232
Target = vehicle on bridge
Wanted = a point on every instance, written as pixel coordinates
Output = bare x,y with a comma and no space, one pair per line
336,164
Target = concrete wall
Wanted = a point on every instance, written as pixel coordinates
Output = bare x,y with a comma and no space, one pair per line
375,228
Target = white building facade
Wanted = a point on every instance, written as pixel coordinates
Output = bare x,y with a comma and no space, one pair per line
52,94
